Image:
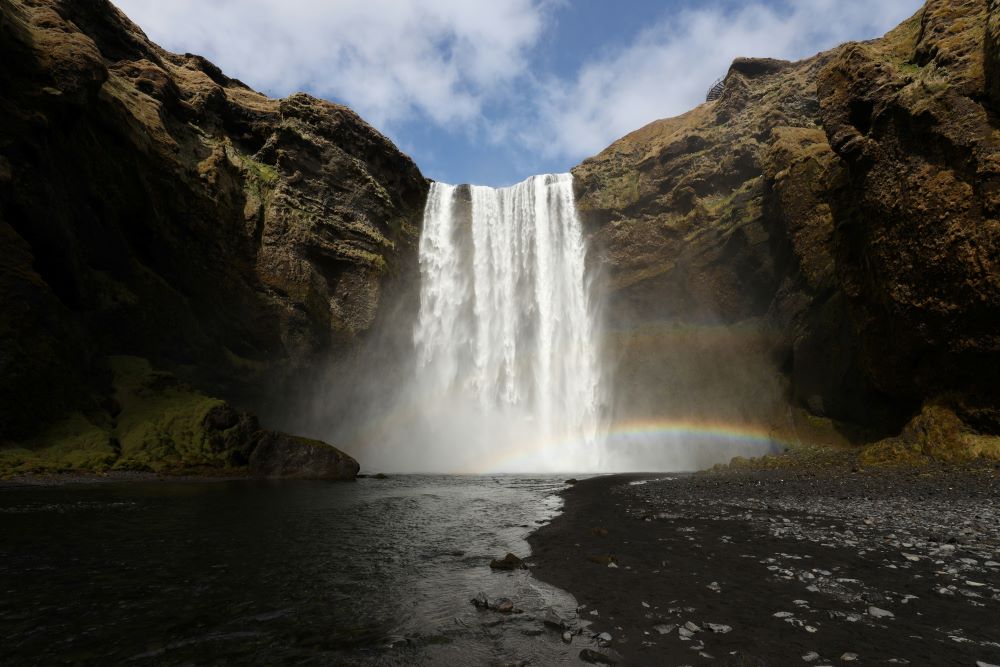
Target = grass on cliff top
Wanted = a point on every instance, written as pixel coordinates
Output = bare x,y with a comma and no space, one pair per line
160,427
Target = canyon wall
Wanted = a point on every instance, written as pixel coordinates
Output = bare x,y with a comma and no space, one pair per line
818,249
152,206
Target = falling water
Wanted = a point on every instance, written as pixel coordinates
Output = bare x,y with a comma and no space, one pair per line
506,340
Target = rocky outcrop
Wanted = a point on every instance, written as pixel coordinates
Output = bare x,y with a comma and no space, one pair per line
819,243
152,206
991,54
918,226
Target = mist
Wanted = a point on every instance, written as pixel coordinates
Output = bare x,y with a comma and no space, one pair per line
497,355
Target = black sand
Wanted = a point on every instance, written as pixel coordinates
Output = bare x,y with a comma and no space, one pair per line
804,567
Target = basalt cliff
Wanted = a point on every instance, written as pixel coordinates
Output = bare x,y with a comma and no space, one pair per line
818,250
161,220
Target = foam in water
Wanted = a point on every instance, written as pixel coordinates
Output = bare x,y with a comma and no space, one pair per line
508,375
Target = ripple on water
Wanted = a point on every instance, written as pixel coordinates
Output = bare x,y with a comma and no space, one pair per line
373,572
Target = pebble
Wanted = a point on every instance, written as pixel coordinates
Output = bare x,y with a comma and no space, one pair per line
567,637
664,628
552,619
911,533
719,628
604,638
880,613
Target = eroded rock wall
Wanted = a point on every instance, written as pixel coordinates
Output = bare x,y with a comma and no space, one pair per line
822,240
152,206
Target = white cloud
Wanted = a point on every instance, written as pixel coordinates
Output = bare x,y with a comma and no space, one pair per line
391,60
669,67
453,63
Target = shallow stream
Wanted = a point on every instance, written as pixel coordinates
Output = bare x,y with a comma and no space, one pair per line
372,572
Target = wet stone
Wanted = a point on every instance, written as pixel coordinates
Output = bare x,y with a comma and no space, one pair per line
508,562
595,658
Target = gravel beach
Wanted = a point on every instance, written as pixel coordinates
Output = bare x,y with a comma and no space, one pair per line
782,567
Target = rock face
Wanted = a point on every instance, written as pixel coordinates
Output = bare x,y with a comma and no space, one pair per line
152,206
833,221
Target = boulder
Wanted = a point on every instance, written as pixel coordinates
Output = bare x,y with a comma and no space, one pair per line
508,562
278,455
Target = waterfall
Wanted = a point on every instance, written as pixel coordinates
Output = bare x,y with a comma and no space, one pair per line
506,338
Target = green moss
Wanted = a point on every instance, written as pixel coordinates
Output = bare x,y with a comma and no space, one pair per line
361,256
161,426
936,434
162,422
618,187
75,443
261,178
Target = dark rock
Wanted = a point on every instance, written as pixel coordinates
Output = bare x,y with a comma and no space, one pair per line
595,658
278,455
508,562
754,67
992,54
553,620
503,605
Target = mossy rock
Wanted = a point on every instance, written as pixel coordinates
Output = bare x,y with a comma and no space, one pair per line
152,423
73,444
936,434
163,424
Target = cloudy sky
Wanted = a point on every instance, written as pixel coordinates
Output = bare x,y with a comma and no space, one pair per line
492,91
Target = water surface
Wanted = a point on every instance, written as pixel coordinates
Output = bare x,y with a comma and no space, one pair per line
377,571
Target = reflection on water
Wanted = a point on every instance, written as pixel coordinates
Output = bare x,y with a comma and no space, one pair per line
378,571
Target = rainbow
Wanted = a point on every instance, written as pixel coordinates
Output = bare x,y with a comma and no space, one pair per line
686,436
753,439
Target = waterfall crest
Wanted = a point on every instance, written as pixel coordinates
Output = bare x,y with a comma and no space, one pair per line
506,338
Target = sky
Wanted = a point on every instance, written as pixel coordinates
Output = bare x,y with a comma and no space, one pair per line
494,91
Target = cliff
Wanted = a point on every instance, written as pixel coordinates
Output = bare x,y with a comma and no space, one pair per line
834,219
151,206
815,252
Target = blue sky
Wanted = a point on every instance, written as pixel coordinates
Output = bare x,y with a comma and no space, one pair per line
493,91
